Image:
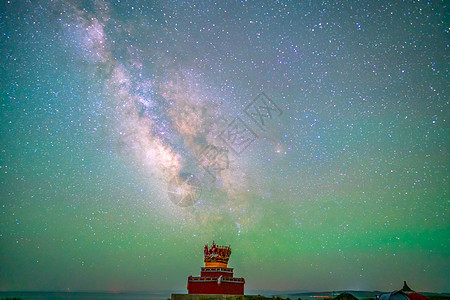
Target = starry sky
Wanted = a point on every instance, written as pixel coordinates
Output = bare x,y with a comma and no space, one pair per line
311,136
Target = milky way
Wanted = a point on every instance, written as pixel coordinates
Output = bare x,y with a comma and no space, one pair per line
311,136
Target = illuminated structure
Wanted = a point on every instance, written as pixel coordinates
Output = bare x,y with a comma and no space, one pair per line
216,277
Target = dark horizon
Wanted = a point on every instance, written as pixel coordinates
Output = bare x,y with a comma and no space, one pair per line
250,292
130,295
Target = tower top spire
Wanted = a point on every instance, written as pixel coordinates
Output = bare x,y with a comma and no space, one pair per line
217,256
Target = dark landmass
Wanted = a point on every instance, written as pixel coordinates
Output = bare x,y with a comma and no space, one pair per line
366,295
215,297
257,295
358,294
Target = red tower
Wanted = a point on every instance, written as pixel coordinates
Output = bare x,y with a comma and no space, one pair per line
215,277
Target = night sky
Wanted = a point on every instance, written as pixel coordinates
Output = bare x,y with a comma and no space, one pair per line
311,136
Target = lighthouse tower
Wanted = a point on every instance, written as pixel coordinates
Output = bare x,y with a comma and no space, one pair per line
216,277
